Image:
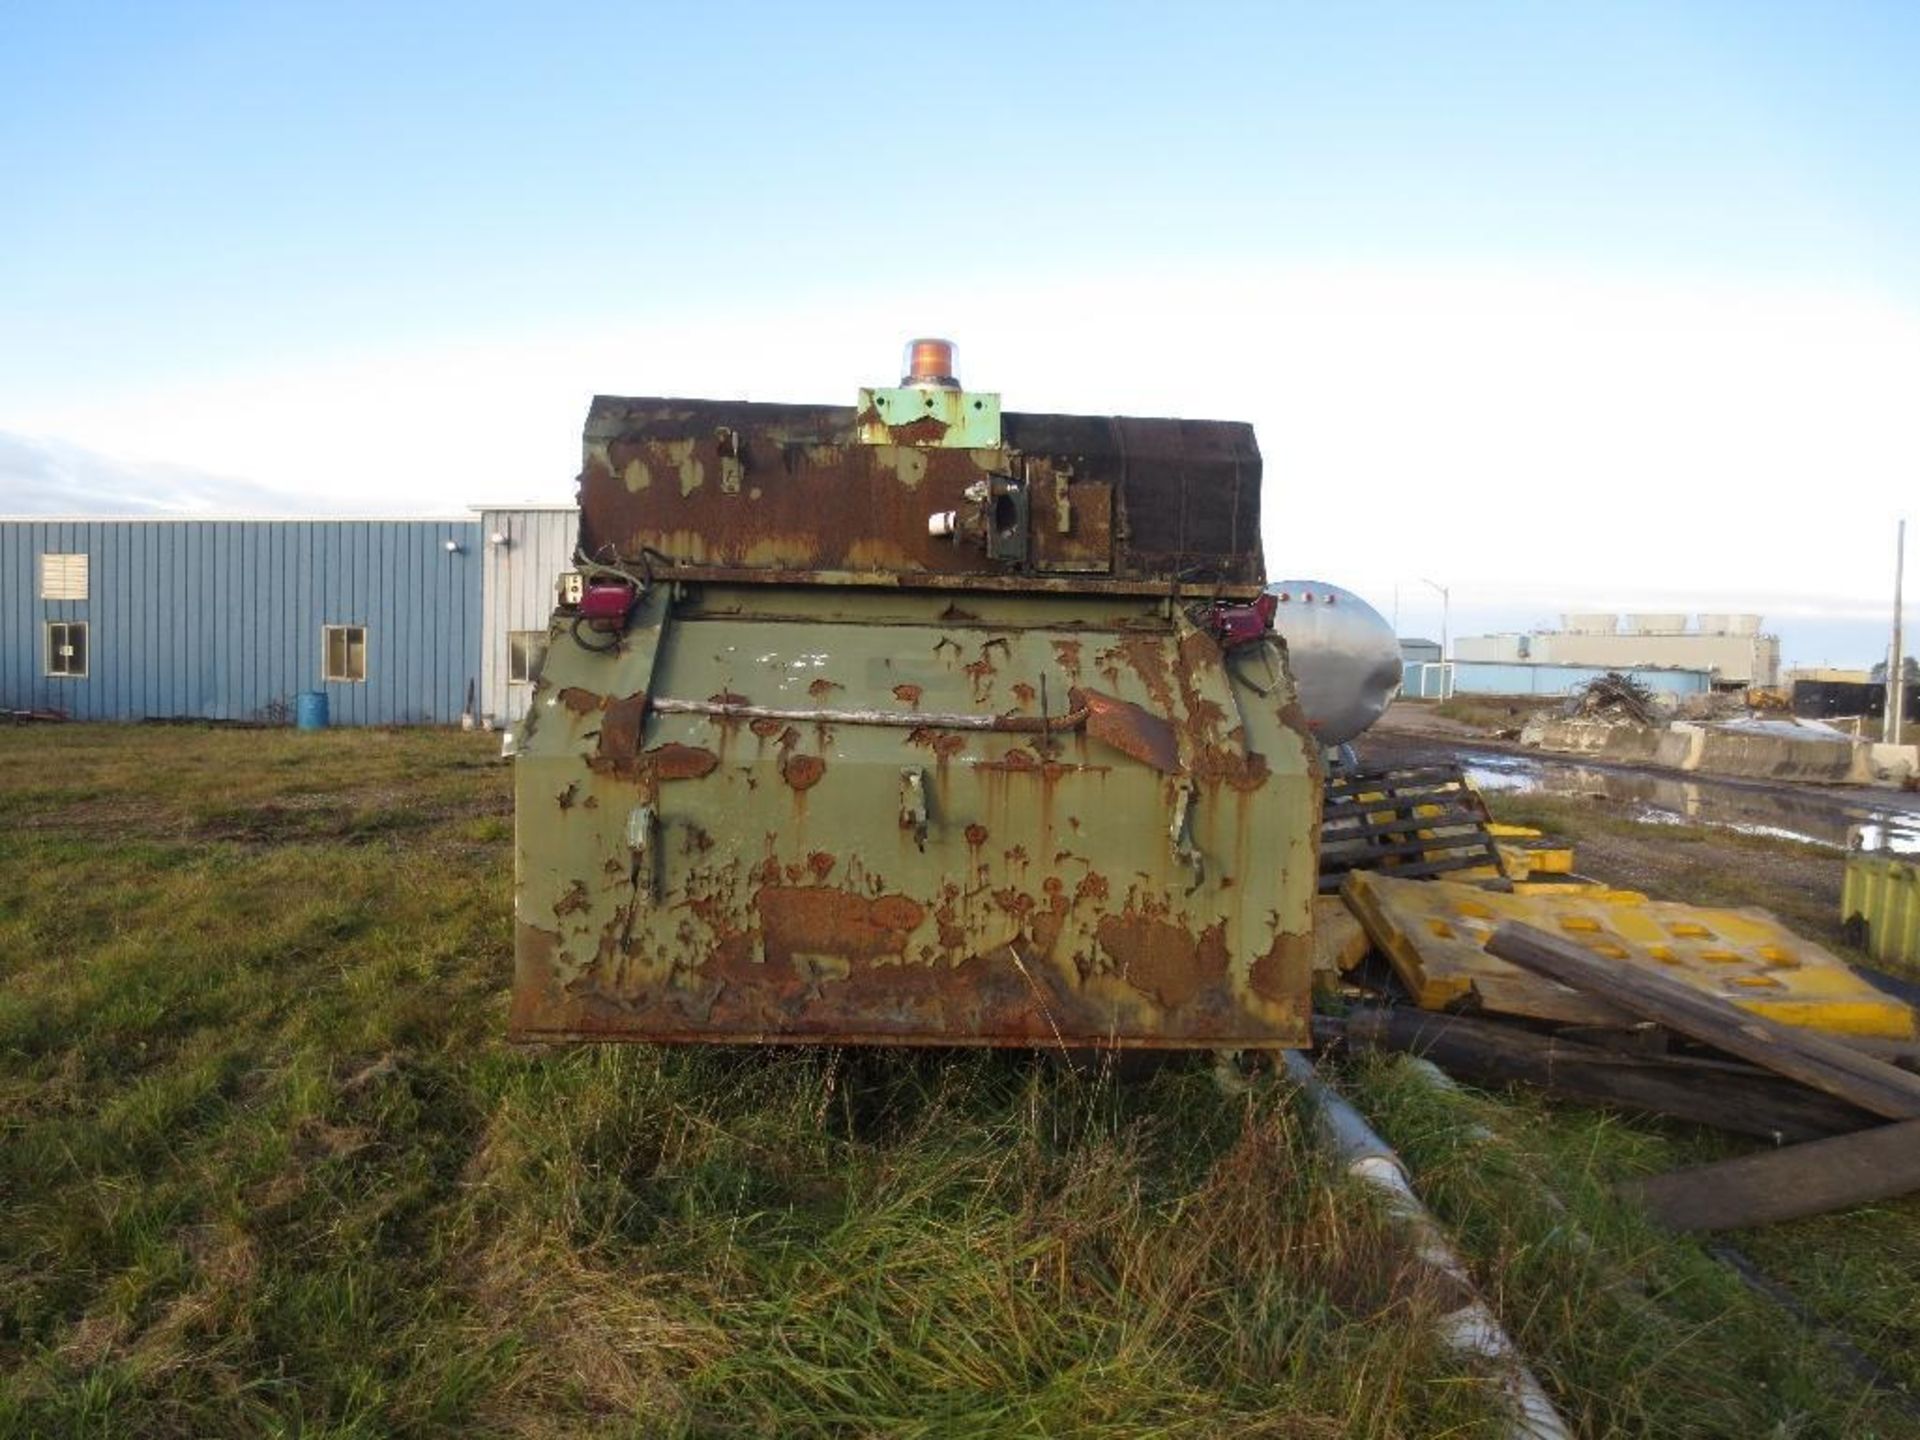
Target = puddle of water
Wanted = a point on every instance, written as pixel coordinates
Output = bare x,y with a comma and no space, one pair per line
1812,817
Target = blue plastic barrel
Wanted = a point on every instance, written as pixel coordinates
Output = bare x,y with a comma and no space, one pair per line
310,710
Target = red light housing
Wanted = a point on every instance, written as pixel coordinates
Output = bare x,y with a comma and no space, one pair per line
606,600
1237,625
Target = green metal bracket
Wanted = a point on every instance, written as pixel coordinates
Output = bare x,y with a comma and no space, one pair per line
930,417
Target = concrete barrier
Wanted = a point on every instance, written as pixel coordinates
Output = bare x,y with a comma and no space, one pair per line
1742,753
1890,764
1746,754
1680,746
1776,757
1632,745
1573,737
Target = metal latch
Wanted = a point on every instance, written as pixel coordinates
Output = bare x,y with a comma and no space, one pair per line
643,846
1185,852
726,442
913,803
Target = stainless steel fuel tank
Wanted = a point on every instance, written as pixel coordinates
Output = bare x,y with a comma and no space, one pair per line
1345,656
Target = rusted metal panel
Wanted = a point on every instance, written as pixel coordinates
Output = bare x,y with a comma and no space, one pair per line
1072,520
1041,893
788,492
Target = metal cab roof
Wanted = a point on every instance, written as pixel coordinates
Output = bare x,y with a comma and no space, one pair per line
746,490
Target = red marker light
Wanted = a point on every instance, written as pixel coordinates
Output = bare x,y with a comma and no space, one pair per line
607,600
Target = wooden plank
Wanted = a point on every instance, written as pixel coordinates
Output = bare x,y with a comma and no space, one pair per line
1330,879
1362,801
1811,1179
1428,776
1475,842
1339,941
1798,1054
1524,995
1640,1037
1735,1098
1903,1053
1341,827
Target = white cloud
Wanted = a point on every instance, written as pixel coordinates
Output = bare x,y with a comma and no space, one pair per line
54,477
1525,438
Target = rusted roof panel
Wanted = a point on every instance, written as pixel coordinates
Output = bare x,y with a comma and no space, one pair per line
747,488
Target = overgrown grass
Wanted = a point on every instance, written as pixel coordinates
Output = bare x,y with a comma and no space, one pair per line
1491,712
266,1167
1616,1316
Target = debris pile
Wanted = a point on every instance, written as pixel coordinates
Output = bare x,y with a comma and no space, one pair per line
1614,696
1720,1017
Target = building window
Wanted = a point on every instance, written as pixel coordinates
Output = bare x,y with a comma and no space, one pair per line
63,577
67,649
344,653
526,649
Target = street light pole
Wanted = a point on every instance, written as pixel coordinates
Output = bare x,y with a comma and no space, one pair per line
1896,668
1446,606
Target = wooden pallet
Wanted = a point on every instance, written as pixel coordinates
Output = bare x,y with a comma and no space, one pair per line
1410,821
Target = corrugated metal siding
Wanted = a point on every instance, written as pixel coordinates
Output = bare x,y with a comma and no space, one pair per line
221,619
518,593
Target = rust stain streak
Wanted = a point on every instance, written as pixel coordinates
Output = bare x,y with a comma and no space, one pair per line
802,772
674,761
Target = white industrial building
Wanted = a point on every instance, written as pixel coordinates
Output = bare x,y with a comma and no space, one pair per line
1729,646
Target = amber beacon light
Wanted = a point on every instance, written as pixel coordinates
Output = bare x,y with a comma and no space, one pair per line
930,362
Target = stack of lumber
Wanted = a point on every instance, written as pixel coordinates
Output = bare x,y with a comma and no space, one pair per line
1875,1162
1718,1017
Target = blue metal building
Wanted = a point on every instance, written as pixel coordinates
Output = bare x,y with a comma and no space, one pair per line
112,619
1498,677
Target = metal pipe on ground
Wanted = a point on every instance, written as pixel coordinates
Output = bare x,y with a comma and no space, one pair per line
1472,1330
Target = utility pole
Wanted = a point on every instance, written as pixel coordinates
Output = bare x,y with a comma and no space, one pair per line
1896,671
1446,607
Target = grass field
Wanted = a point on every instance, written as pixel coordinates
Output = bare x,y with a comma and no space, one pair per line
268,1168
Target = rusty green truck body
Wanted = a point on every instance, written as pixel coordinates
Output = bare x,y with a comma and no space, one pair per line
836,777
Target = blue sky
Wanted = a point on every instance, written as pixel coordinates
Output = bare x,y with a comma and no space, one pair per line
1587,301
